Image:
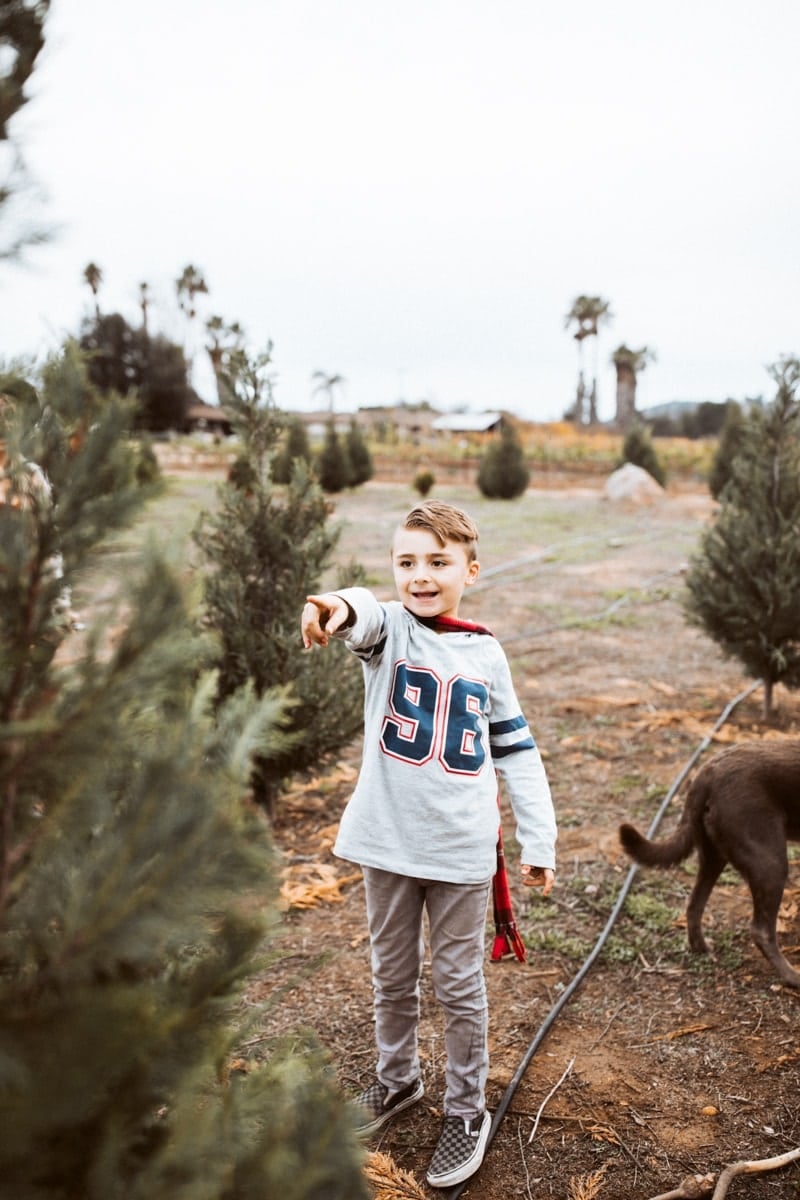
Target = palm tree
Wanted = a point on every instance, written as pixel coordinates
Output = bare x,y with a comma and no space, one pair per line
144,304
223,340
588,313
327,384
188,286
628,364
94,277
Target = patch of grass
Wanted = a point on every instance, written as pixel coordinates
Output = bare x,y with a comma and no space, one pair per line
650,911
625,784
641,808
569,820
728,952
622,618
647,927
567,945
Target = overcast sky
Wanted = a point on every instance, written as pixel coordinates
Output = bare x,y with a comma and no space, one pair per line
411,195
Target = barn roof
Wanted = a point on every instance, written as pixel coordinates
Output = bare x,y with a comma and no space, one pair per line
467,422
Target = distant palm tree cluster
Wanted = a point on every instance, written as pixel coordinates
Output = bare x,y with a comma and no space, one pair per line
225,346
588,314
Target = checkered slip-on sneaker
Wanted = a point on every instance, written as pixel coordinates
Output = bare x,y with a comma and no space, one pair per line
376,1105
460,1150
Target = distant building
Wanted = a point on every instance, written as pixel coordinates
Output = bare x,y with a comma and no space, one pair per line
485,422
389,424
317,423
208,418
403,423
400,422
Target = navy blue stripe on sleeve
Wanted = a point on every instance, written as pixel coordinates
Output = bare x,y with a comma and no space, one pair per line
367,653
496,728
503,751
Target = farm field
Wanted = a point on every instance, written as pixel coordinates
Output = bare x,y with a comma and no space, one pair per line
671,1065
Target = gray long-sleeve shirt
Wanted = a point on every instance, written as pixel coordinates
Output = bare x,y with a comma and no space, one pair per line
441,717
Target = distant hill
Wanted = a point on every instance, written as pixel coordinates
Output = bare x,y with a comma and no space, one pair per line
674,409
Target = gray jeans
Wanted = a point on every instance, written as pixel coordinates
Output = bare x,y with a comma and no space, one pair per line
457,923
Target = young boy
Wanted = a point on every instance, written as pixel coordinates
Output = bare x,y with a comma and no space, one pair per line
440,717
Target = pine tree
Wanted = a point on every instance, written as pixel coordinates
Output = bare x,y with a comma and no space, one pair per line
744,583
730,443
358,455
333,465
22,26
503,473
295,446
266,550
423,482
638,449
133,875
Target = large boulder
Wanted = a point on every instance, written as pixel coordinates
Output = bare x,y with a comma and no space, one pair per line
632,484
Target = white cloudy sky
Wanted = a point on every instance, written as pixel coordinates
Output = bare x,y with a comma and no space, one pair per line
411,195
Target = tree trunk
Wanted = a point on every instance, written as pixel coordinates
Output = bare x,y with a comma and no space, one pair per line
215,354
580,401
626,395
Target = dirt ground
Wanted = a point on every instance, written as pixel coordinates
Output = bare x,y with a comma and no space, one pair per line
660,1065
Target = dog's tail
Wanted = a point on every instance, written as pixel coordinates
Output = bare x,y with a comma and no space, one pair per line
674,849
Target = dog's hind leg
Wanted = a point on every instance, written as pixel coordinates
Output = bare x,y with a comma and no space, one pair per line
710,865
766,889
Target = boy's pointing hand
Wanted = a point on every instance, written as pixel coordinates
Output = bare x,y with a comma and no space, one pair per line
322,616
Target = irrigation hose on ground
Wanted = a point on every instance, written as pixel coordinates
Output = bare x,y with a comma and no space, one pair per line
578,979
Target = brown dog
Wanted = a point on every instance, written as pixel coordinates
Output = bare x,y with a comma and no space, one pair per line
741,808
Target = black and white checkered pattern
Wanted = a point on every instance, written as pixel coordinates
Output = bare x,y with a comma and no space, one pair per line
460,1150
376,1105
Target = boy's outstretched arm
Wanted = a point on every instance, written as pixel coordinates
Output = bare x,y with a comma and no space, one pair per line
543,877
322,616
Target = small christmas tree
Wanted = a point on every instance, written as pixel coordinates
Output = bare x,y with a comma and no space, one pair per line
731,440
744,584
267,549
134,877
423,482
358,455
503,473
334,470
295,446
638,449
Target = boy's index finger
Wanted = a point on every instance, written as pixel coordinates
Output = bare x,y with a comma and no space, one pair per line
324,608
314,619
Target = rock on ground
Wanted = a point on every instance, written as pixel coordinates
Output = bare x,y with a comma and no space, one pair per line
633,484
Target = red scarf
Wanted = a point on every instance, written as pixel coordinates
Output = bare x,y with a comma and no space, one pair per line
507,940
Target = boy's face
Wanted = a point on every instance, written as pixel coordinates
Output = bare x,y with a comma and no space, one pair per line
430,579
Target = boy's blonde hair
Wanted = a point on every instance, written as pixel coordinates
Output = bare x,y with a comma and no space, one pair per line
447,524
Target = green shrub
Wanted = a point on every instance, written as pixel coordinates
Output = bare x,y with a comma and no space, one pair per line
295,446
359,457
146,470
503,473
638,449
423,482
333,463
